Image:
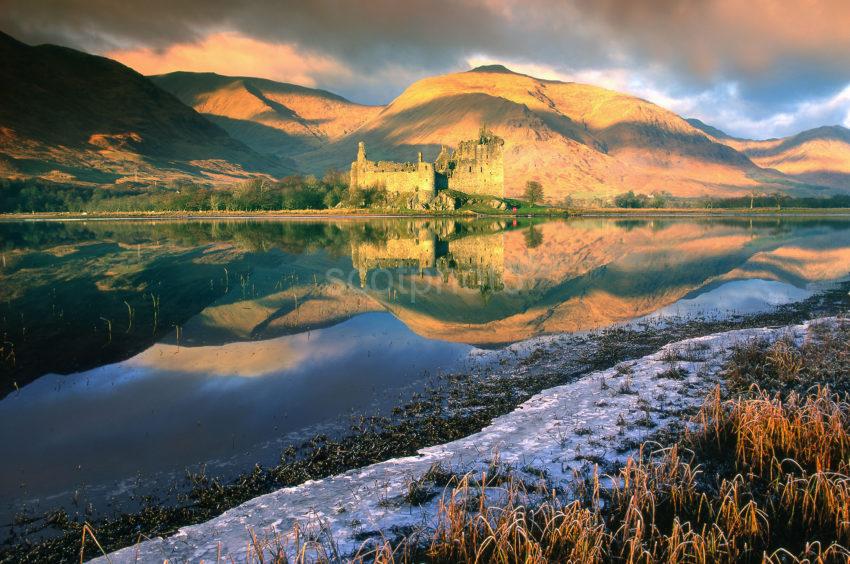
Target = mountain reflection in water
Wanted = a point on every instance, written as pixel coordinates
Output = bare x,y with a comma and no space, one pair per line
220,342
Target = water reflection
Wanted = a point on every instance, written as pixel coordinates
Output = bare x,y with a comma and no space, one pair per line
101,434
101,292
222,341
491,288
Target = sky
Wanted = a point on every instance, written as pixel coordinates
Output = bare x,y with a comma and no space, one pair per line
754,68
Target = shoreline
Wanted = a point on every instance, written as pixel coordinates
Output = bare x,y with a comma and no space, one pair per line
379,214
597,420
520,371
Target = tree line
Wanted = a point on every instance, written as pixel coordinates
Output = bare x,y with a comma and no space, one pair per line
259,194
299,192
777,201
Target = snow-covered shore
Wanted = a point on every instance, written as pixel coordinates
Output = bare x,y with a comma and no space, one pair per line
599,417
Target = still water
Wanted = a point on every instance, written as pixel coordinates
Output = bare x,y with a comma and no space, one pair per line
132,351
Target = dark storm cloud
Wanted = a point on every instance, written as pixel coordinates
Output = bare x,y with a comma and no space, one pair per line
431,33
702,37
764,44
418,37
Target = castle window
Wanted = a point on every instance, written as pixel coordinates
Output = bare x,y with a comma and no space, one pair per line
470,169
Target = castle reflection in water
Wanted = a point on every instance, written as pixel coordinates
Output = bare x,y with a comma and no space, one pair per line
474,260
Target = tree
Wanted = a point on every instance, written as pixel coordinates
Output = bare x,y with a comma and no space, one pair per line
533,238
659,200
631,200
533,191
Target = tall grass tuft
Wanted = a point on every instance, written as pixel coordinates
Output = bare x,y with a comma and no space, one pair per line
755,479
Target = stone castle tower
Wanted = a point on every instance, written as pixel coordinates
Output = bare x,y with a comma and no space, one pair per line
475,167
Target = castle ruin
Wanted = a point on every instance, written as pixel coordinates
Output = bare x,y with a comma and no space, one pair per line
475,167
475,261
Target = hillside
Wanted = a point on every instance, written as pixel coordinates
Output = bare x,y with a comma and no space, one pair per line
268,116
579,140
817,156
73,117
70,116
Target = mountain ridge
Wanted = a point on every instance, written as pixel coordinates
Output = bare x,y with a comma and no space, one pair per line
85,117
88,118
271,117
580,140
820,155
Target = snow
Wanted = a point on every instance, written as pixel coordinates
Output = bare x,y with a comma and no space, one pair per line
619,407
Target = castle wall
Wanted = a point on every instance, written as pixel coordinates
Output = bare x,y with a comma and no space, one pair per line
419,251
476,167
479,260
404,178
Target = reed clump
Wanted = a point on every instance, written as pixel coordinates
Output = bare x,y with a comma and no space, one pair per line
785,366
759,477
782,494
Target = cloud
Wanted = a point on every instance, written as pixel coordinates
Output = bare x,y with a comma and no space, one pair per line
706,38
828,110
231,53
728,36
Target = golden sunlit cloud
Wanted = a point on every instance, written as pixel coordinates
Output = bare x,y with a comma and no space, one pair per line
231,53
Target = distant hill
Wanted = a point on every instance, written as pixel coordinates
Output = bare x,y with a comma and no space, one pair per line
579,140
819,156
268,116
71,116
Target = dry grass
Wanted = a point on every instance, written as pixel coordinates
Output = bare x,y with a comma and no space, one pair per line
782,495
785,367
761,477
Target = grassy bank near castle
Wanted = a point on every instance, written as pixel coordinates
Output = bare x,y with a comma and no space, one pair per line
331,196
296,195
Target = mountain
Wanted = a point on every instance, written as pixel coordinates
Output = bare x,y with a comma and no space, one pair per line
579,140
819,156
268,116
708,129
68,115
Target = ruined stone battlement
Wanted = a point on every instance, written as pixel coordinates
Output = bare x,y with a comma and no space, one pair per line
417,178
389,166
475,167
395,253
476,261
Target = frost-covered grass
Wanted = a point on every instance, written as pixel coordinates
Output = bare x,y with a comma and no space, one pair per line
597,470
547,448
785,365
759,479
760,475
